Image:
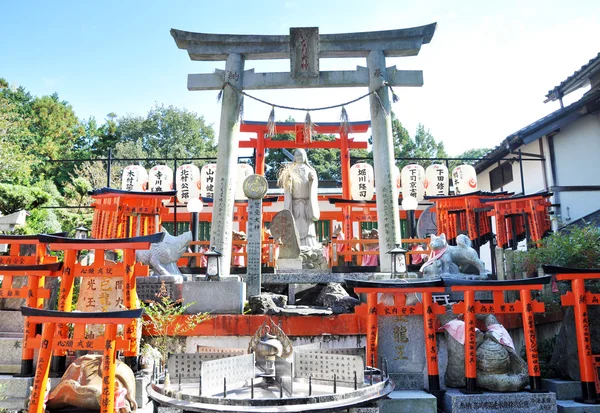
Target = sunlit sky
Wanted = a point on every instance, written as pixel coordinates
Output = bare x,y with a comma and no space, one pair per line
486,70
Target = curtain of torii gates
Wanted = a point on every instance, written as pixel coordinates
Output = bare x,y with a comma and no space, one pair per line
388,220
227,154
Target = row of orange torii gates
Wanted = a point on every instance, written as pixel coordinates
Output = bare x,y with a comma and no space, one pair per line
516,218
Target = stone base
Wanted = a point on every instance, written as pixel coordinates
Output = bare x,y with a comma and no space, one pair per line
521,402
148,287
10,354
570,406
408,401
564,389
289,264
217,297
408,381
11,321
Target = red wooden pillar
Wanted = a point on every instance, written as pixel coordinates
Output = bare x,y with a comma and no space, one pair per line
40,382
533,362
430,342
260,152
65,301
372,327
107,399
345,164
470,342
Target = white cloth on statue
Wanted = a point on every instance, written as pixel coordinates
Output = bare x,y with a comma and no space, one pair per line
500,333
456,328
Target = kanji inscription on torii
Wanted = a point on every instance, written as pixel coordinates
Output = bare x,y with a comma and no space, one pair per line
304,51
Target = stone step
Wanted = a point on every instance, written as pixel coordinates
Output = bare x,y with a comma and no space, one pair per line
564,389
570,406
14,391
10,354
413,401
521,402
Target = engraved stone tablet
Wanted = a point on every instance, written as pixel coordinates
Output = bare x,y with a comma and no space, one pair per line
255,186
322,366
283,227
304,51
234,369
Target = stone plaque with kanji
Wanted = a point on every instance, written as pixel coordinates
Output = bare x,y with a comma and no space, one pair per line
304,51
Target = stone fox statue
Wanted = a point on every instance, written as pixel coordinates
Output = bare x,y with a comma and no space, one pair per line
448,259
162,257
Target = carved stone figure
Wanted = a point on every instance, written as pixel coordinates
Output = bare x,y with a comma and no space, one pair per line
299,182
81,386
162,257
447,259
499,367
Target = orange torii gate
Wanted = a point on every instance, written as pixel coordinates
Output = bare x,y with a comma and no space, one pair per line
464,214
49,342
527,307
426,307
580,298
520,217
128,269
344,143
124,214
34,294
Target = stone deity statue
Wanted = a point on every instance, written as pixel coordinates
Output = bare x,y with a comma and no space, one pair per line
299,181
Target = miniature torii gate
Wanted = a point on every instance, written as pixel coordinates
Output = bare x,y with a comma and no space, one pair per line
304,47
343,143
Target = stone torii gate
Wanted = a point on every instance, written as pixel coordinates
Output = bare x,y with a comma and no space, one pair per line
304,47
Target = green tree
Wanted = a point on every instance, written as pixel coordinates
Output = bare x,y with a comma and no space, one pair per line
423,145
469,153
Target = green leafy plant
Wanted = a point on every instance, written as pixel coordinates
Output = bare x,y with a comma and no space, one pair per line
164,322
577,247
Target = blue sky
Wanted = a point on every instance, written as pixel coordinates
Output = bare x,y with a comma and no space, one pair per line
486,70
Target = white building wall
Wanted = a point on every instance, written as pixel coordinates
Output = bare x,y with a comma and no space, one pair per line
577,155
533,173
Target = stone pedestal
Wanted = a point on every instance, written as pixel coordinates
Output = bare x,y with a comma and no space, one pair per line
148,287
522,402
11,341
217,297
402,343
289,264
564,389
408,401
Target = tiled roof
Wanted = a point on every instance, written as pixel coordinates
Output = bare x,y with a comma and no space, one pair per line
575,81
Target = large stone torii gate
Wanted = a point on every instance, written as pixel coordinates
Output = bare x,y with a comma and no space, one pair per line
304,47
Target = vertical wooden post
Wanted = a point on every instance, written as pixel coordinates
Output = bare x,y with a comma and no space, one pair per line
40,382
372,327
430,342
130,302
470,342
584,342
533,365
107,399
65,300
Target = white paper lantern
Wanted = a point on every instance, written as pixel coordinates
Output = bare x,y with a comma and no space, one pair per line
135,178
397,180
413,176
464,178
436,180
188,182
362,183
160,178
243,170
208,180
